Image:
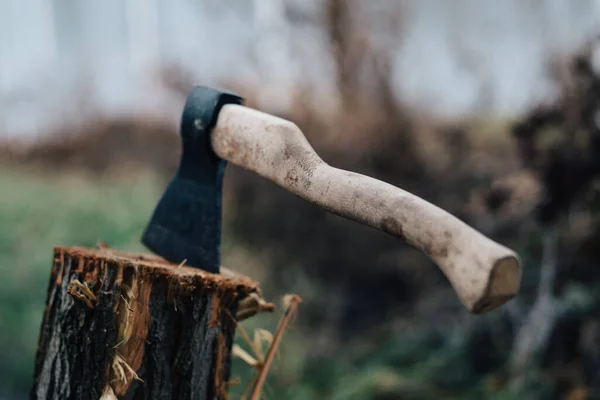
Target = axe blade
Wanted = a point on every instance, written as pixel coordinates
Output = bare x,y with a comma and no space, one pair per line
186,223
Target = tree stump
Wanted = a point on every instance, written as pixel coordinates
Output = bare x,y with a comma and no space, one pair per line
133,326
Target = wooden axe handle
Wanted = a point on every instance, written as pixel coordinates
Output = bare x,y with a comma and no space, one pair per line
483,273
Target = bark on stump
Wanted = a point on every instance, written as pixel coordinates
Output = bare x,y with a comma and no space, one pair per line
111,316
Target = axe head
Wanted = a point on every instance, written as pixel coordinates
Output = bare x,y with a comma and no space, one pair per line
186,224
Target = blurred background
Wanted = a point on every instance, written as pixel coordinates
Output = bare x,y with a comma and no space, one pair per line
488,109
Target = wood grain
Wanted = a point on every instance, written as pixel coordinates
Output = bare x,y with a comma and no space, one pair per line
484,274
169,325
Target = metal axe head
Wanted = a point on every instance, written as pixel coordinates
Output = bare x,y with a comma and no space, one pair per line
186,224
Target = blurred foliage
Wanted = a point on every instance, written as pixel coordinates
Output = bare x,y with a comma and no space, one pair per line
39,211
378,320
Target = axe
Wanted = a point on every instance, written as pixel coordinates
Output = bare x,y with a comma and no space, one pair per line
217,128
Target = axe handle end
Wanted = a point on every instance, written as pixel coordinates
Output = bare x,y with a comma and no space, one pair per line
483,273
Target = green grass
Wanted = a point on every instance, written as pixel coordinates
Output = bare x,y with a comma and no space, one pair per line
40,211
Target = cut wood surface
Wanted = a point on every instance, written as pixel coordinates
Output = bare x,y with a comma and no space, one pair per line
133,326
484,274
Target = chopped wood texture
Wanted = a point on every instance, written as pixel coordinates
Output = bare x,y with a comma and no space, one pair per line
132,326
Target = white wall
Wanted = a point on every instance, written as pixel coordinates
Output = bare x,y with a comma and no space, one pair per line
63,59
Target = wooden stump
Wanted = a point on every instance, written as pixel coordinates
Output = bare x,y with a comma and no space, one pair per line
131,326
